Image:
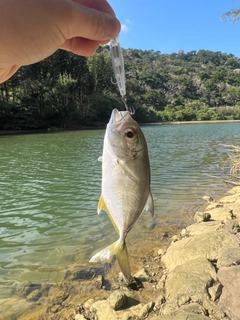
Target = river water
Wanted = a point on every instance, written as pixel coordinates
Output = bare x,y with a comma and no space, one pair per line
50,185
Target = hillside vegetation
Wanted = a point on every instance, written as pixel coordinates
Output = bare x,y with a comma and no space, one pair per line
66,90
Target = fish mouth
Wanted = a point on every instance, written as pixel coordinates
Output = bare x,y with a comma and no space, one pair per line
118,116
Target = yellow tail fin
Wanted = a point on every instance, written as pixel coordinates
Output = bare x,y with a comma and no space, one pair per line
118,249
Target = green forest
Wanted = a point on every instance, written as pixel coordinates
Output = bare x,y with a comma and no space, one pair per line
66,91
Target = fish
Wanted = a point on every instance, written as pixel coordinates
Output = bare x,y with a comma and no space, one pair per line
126,178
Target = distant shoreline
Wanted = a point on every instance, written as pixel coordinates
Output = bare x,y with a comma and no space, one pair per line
186,122
19,132
43,131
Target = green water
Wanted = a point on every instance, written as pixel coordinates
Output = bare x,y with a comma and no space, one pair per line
50,185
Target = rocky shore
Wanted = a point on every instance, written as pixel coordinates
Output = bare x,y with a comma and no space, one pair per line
196,277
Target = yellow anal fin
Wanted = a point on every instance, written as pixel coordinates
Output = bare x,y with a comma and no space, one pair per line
102,206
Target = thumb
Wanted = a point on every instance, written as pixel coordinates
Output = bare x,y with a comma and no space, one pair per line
92,24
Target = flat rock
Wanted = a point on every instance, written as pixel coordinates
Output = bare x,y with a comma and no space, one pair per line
224,212
193,308
204,227
103,311
181,315
229,257
229,198
192,279
139,311
229,301
219,213
205,246
234,190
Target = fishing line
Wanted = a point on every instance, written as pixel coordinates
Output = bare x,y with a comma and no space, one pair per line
131,110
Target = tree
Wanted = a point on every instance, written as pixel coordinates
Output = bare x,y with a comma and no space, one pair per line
72,91
235,94
233,15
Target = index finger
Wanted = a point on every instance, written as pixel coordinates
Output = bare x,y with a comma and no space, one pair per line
101,5
94,24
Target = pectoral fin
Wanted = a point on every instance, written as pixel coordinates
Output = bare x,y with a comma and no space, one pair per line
100,159
149,204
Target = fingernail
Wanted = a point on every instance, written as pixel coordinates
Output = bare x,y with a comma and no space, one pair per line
114,27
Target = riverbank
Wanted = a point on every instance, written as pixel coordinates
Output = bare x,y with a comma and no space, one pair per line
194,275
49,130
188,122
54,129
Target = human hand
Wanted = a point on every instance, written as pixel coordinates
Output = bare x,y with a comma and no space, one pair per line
31,30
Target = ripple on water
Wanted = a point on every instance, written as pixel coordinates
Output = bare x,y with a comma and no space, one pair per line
50,185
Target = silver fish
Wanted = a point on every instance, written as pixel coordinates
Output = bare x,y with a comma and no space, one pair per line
125,183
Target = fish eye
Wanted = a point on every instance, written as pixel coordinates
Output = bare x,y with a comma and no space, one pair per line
130,134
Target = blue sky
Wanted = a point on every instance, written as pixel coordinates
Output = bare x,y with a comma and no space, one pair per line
172,25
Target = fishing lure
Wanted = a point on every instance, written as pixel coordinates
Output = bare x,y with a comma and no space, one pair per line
119,71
